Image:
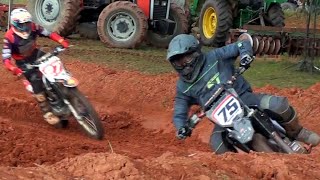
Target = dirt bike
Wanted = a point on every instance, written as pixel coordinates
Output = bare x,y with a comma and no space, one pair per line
63,96
247,128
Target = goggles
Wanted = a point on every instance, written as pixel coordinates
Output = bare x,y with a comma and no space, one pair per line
23,27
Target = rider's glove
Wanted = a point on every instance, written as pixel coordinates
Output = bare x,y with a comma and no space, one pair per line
245,61
56,37
15,70
184,132
64,43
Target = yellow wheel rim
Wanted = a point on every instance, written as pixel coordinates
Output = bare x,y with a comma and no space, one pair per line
209,23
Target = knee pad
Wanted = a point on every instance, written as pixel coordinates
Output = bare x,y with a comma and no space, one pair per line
277,107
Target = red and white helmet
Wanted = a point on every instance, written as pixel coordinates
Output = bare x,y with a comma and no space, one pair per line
21,21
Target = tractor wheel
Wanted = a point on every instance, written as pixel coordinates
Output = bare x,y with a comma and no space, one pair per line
215,22
275,15
122,24
88,30
55,15
176,14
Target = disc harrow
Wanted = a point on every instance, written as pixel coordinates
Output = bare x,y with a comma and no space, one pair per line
276,40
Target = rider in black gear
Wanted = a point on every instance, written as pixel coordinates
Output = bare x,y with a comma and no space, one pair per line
200,73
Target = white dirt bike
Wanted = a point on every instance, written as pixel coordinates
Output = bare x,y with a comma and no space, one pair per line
247,128
63,96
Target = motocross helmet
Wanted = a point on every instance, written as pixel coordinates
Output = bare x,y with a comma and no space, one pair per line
21,21
184,54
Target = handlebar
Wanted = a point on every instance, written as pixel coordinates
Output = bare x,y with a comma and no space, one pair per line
56,51
196,118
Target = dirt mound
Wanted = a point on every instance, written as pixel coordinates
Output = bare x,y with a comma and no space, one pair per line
136,111
197,165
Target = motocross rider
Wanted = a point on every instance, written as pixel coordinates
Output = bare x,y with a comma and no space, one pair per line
20,45
199,73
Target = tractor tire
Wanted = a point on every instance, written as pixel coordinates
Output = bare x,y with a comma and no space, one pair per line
88,30
60,16
215,22
176,14
122,24
275,16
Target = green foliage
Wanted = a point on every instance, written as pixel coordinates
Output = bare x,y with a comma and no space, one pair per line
14,1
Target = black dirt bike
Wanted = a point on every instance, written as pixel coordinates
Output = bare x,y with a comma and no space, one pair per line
63,95
247,128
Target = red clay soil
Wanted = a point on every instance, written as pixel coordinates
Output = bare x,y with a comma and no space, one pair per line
136,111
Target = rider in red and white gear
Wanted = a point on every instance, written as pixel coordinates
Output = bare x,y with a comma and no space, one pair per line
20,45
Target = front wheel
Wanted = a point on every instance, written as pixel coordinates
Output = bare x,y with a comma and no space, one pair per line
87,116
260,144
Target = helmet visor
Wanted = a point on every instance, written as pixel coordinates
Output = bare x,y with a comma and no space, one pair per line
23,27
182,60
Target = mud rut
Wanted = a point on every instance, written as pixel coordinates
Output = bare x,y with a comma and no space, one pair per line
136,112
26,139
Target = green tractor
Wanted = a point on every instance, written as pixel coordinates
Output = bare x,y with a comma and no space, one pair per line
216,17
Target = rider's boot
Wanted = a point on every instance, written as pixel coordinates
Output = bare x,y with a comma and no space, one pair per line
296,131
45,108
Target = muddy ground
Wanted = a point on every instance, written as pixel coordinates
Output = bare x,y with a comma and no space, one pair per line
136,111
139,143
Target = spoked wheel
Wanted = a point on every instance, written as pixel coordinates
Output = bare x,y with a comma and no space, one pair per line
87,116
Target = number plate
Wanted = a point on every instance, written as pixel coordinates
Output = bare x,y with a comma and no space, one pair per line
52,67
225,111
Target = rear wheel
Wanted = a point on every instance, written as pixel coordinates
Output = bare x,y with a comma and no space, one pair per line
55,15
215,22
122,24
88,117
176,14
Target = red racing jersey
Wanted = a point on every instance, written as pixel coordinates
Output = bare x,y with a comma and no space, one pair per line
18,48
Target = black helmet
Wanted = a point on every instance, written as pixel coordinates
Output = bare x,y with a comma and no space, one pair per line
182,44
180,47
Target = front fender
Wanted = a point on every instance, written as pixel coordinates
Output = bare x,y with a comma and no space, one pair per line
71,82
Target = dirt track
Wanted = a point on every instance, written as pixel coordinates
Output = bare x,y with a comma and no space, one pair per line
139,144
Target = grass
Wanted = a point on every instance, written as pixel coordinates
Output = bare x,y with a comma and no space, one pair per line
14,1
281,73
